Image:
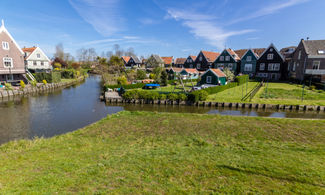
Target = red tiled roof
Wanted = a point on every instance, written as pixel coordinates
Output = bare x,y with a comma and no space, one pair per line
211,56
241,52
126,58
193,58
218,72
177,69
30,49
180,60
191,70
167,60
257,51
233,54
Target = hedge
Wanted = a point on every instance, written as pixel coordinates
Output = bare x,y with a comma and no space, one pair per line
53,77
242,79
217,89
131,86
68,73
56,77
153,95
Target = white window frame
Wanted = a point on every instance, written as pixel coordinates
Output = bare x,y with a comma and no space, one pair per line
198,66
209,79
270,56
294,67
316,63
276,67
249,58
5,45
38,55
7,59
230,66
222,58
262,65
248,67
200,58
227,58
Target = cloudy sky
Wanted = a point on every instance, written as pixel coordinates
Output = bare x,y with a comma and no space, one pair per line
165,27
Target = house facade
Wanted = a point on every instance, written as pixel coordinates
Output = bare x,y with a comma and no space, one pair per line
308,61
270,64
227,59
12,66
154,61
190,62
248,60
213,77
189,73
131,62
204,60
168,61
179,62
36,60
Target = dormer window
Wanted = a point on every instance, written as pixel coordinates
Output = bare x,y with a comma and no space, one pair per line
227,58
270,56
321,52
222,58
249,58
5,45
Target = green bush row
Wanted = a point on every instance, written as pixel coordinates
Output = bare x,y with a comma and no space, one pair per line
153,95
53,77
242,79
131,86
69,73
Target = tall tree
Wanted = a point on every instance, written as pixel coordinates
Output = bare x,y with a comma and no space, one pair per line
59,51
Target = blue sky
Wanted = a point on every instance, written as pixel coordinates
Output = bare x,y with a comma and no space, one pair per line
165,27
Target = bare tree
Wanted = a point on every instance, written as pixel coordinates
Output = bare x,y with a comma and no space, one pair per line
130,52
118,51
59,51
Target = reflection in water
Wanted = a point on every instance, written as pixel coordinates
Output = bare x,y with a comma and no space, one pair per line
62,111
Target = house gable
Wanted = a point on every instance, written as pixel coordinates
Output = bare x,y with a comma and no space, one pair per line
33,55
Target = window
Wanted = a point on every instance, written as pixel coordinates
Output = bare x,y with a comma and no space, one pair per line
209,79
34,63
274,67
7,62
289,67
220,66
198,66
42,63
38,55
5,45
249,58
227,58
200,58
316,65
230,66
222,58
271,49
294,67
248,67
191,65
299,55
321,52
270,56
270,67
262,66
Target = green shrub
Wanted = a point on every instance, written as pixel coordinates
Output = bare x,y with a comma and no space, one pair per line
40,76
22,84
162,97
217,89
122,80
313,87
141,75
68,73
172,96
56,77
8,86
199,95
242,79
34,83
132,86
131,95
182,97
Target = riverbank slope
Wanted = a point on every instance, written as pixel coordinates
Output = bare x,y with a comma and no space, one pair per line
139,152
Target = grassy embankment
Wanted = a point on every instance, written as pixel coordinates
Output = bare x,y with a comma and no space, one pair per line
276,93
146,152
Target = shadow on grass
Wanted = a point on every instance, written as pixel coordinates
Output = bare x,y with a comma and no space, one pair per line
289,179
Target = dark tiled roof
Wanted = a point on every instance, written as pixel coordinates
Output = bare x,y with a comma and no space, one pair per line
136,60
314,46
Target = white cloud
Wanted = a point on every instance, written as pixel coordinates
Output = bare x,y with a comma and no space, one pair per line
101,14
204,26
269,9
147,21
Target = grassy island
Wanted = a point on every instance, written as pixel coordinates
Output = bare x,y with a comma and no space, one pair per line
146,152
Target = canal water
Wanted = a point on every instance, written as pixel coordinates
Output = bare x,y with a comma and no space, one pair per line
75,107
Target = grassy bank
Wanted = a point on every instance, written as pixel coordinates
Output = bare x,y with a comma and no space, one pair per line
144,152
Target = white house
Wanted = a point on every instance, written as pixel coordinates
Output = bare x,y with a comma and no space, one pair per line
36,60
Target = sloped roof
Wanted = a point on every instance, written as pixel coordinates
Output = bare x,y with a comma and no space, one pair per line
3,29
176,69
242,52
136,59
313,46
157,58
218,72
191,70
193,57
211,56
126,58
180,60
167,60
29,50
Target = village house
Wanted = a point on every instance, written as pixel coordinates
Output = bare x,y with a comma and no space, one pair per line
270,64
189,63
168,61
213,77
248,60
227,59
154,61
287,53
189,73
205,59
12,68
131,62
36,60
179,62
308,61
173,72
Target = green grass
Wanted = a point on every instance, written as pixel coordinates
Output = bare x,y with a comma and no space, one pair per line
164,153
278,93
171,88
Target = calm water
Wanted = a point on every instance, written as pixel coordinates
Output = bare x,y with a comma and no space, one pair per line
75,107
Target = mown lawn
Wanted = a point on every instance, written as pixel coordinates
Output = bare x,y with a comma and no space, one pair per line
164,153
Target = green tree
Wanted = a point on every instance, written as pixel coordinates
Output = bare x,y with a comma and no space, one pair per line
115,64
122,80
157,71
141,75
164,78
